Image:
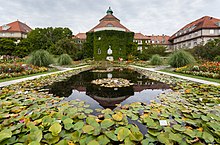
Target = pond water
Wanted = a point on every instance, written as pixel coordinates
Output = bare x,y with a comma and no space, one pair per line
79,87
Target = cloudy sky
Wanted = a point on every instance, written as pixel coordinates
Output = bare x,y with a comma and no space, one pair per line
145,16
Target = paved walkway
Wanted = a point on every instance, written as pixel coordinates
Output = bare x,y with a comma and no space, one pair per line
178,76
2,84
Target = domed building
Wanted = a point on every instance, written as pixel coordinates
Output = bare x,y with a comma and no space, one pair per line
109,40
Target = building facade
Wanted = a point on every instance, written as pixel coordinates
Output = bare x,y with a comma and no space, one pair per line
198,32
17,30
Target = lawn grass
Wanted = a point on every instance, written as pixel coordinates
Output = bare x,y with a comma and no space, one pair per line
25,76
192,76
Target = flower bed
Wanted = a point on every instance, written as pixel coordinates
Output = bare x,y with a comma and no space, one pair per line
208,69
9,70
189,115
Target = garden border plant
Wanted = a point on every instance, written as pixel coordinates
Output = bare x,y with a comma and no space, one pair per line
30,116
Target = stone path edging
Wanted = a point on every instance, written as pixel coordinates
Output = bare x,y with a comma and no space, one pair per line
179,76
3,84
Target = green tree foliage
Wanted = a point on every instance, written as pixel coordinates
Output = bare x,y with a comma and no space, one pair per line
209,51
7,46
64,46
41,58
22,49
180,58
217,58
44,38
150,50
64,59
156,60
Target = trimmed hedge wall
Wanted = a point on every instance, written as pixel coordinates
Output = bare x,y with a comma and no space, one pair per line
118,40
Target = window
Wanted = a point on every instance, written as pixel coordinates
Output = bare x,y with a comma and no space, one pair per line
12,34
109,25
99,51
196,33
139,42
189,44
212,32
152,41
3,34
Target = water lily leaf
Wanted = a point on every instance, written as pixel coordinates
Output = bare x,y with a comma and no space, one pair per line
164,138
190,133
93,142
35,134
46,120
153,132
106,123
4,134
55,129
103,140
63,142
136,136
175,137
205,118
68,123
76,136
88,111
214,125
34,143
92,121
78,126
118,116
123,133
50,139
111,135
88,129
178,127
207,137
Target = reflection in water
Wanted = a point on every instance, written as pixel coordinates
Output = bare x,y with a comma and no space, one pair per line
80,87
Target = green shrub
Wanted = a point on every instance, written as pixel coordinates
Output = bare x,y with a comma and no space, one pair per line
64,59
217,58
180,58
41,58
156,60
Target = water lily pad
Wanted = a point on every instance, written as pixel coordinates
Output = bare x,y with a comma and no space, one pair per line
55,129
106,123
123,133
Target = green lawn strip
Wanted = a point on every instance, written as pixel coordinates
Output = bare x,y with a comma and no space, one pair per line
192,76
25,76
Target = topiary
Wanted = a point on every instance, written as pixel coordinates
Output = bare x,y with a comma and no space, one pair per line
41,58
156,60
64,59
180,58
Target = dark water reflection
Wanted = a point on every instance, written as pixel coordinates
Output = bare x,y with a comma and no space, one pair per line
79,87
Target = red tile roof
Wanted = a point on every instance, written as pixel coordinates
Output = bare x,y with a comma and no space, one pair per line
140,36
205,22
81,36
109,19
16,26
160,39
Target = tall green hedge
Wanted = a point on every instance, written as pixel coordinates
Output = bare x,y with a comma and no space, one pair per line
118,40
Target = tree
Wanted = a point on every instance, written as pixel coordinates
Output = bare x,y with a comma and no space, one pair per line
44,38
209,51
7,46
22,49
64,46
151,50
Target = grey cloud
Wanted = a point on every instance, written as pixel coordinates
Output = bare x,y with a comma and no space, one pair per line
146,16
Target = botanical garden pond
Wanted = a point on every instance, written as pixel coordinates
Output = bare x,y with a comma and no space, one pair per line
79,87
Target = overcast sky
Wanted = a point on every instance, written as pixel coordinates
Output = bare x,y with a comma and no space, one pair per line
145,16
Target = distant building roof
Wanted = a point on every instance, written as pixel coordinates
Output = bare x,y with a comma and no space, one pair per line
205,22
140,36
16,26
81,36
109,22
160,39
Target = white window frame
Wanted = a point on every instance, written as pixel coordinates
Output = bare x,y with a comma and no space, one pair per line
211,31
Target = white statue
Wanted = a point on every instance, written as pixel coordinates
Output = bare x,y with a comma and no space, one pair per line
109,52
